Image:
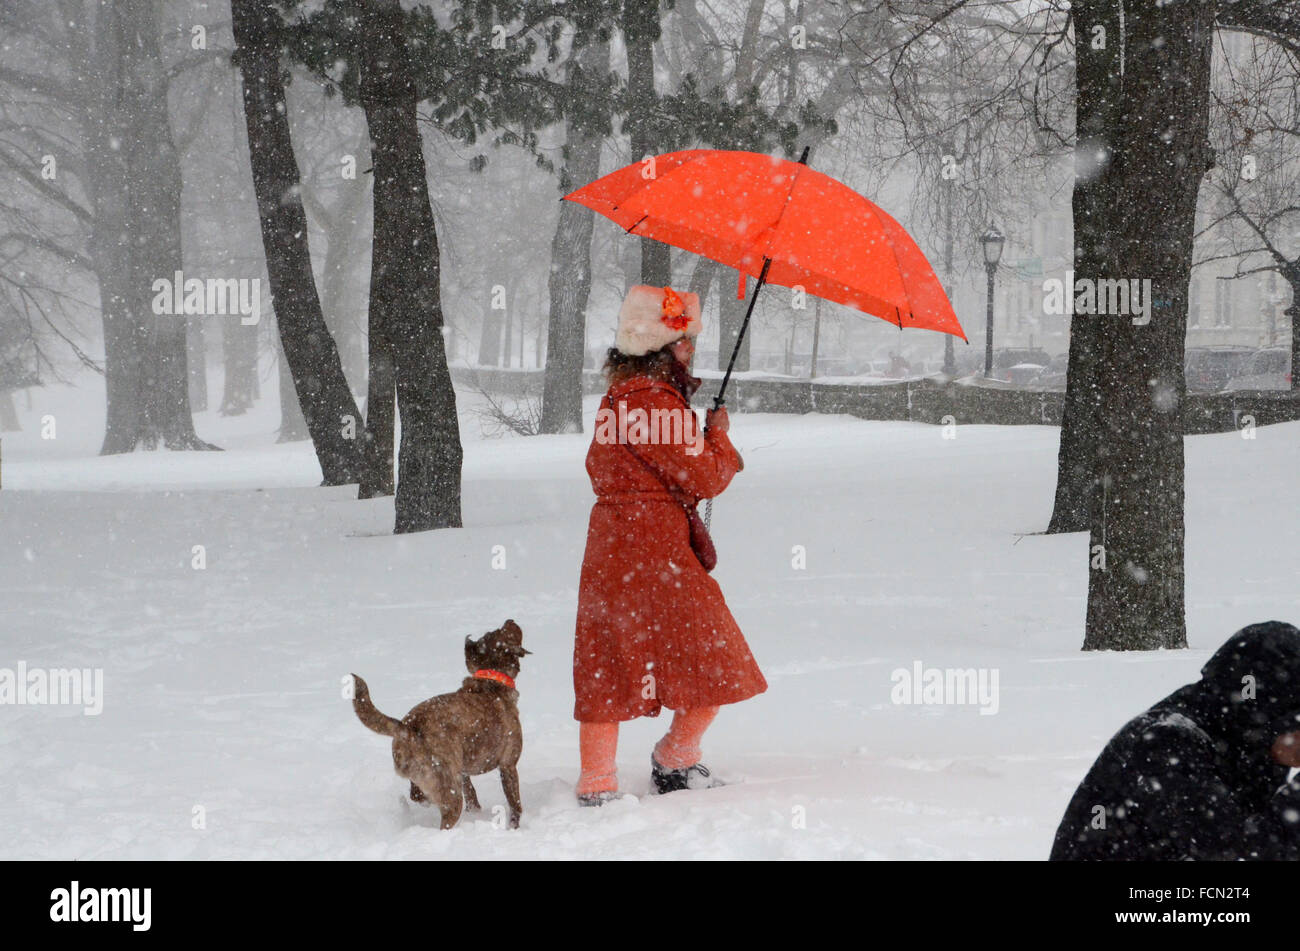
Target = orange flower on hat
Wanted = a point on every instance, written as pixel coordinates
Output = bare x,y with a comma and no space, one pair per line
674,311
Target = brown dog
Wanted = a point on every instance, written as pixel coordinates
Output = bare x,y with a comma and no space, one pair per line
447,739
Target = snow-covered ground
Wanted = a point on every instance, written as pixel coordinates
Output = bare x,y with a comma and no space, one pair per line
223,686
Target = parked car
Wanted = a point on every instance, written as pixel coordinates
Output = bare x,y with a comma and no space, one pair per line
1022,373
1211,369
1018,364
1267,369
1053,375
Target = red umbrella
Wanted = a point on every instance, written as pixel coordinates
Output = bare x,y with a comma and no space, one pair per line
782,223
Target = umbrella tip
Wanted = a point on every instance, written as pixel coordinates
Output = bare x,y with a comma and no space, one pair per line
803,159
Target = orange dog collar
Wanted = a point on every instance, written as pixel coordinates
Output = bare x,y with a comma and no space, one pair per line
497,676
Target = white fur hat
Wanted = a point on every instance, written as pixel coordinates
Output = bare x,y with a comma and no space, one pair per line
652,317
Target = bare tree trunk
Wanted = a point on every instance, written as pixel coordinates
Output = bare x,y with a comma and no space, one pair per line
570,278
381,412
154,179
405,281
517,308
452,336
239,352
8,416
489,340
731,314
136,190
702,279
125,336
507,333
293,425
323,393
1136,596
1096,111
344,230
1292,276
570,289
640,31
747,56
731,311
196,358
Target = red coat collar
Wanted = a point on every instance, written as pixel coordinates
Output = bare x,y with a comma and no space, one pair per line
495,675
635,383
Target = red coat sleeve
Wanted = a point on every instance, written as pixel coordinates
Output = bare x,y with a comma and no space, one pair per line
700,464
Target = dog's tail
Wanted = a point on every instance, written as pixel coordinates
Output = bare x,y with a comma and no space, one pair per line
366,712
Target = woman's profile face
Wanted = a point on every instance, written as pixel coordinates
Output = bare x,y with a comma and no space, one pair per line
683,350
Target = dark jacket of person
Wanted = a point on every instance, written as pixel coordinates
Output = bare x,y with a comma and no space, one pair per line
1193,777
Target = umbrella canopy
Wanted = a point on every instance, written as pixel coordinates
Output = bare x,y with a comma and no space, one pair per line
781,222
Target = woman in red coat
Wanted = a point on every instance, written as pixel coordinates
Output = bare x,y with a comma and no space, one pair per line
653,629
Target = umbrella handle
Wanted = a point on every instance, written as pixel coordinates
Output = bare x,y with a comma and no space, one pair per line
719,400
735,351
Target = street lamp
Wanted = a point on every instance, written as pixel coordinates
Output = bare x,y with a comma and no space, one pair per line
992,241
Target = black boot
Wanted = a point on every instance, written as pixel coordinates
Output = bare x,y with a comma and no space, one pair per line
598,798
688,777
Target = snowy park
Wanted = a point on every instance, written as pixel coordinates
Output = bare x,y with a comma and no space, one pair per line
644,430
223,687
